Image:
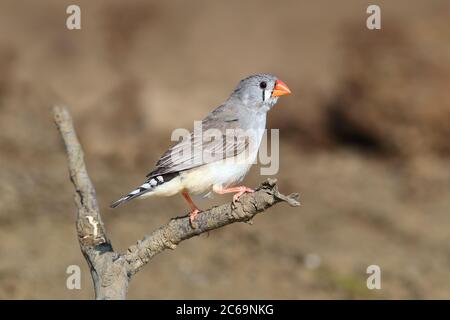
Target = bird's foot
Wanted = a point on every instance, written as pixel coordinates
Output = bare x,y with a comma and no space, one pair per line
194,210
241,191
192,215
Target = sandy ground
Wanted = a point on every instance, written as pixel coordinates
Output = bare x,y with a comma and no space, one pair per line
364,139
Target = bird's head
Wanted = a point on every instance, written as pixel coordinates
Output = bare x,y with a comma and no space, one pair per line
260,91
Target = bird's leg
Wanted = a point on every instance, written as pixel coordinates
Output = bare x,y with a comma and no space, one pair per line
240,191
194,210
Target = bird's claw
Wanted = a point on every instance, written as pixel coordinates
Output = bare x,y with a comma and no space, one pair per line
192,216
238,195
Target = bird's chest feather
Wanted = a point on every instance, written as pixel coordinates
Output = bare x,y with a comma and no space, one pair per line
220,173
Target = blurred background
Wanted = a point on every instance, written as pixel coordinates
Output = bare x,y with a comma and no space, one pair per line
364,138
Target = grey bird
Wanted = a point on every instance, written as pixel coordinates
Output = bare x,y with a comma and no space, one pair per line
217,157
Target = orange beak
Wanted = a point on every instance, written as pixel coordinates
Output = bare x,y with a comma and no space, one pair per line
280,89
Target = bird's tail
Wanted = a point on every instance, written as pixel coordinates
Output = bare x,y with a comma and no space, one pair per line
144,188
152,183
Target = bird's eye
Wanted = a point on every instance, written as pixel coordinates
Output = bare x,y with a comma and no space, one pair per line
263,85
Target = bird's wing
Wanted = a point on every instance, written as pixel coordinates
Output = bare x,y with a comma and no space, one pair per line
201,148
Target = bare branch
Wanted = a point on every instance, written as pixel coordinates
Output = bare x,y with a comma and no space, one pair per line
89,225
111,271
179,229
94,244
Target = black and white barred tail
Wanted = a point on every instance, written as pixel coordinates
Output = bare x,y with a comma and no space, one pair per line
146,187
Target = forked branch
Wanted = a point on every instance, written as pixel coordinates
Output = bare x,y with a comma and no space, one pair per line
111,271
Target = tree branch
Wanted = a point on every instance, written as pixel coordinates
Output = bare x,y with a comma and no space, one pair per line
112,271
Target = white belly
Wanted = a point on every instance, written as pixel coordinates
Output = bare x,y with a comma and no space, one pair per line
218,174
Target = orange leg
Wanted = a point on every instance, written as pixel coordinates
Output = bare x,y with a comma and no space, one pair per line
194,210
240,191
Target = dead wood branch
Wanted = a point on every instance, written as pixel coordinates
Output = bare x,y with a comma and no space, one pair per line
111,271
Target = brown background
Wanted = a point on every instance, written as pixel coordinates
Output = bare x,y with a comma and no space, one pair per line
364,139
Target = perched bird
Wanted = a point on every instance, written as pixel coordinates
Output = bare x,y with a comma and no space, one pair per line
199,164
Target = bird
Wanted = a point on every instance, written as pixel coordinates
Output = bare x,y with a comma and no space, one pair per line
198,165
